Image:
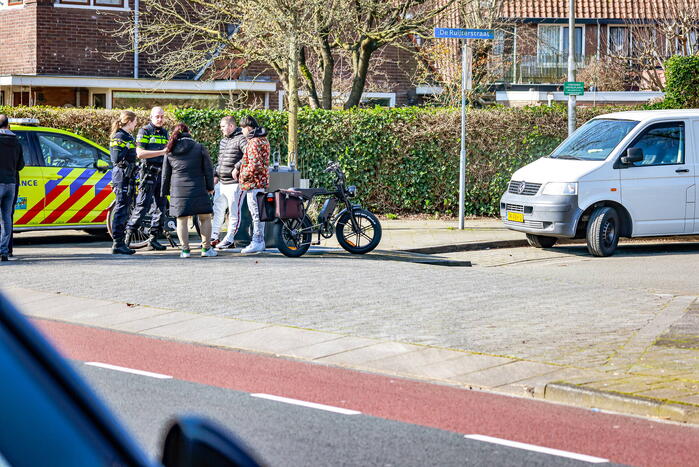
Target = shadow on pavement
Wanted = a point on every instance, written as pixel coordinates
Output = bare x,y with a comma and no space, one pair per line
634,249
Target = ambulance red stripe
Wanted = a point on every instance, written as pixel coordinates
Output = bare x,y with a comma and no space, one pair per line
102,216
38,207
89,207
67,204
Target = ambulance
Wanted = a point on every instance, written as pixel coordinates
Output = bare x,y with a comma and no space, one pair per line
65,183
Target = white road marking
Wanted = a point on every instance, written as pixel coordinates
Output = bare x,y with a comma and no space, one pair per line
312,405
128,370
532,447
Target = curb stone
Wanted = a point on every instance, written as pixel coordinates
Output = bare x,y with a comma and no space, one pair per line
572,394
472,246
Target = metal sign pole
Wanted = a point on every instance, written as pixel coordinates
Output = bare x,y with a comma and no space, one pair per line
571,65
464,35
462,164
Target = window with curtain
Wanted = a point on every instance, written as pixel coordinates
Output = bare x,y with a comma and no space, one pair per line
549,43
578,42
499,42
619,41
552,46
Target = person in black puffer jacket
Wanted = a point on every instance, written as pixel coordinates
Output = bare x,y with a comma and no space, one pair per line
188,178
230,155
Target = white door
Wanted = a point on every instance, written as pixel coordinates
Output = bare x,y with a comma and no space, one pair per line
659,190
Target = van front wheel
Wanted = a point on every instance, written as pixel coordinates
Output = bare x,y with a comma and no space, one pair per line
603,231
541,241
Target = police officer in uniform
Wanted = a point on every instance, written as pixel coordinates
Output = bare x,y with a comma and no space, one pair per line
122,149
150,144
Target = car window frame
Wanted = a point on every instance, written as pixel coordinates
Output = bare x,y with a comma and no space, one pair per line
35,159
103,155
643,132
70,385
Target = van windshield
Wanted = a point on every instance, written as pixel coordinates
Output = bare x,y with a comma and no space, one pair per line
594,140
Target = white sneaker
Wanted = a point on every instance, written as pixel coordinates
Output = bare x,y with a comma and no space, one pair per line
185,254
253,247
209,252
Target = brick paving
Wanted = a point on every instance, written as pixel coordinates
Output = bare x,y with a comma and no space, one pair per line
514,322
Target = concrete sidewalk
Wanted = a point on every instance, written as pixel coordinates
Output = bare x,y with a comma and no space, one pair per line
605,387
443,236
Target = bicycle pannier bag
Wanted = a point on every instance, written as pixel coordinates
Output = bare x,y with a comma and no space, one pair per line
265,206
289,204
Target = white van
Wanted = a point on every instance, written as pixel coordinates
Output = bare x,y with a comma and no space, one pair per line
626,174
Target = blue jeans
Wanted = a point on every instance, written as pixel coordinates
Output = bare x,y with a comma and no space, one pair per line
7,197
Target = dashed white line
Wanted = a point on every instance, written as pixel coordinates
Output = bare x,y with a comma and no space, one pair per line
532,447
128,370
312,405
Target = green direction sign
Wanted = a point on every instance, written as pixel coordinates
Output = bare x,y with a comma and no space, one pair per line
573,88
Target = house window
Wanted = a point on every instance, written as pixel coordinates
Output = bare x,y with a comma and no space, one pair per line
11,2
687,43
93,3
99,100
499,42
552,44
619,41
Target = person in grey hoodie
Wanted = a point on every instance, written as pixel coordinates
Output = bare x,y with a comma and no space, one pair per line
11,162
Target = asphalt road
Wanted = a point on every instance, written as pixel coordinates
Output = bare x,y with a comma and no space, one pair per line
283,434
390,421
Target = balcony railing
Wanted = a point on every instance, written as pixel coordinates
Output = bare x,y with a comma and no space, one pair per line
535,69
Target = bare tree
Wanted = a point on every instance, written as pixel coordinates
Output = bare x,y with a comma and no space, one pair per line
675,31
214,37
440,62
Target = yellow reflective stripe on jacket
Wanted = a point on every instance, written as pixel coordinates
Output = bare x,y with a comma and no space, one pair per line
115,143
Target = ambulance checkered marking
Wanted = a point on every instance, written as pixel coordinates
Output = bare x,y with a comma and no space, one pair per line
51,184
86,193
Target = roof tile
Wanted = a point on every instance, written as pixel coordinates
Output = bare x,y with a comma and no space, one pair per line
594,9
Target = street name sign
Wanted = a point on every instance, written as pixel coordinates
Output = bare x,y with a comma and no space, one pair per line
573,88
466,58
461,33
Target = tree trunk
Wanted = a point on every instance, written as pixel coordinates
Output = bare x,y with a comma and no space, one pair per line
360,63
313,100
293,99
328,62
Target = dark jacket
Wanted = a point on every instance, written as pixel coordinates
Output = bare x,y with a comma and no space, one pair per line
11,157
152,138
122,148
230,153
188,176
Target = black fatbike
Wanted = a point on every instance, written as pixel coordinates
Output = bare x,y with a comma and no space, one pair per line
358,231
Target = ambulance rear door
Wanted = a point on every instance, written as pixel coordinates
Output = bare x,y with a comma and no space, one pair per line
29,210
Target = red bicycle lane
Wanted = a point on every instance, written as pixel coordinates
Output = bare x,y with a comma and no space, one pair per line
628,440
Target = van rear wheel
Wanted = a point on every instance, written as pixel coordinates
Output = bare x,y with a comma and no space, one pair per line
541,241
603,231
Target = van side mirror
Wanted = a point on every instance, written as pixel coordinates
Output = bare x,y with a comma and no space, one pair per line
193,441
632,155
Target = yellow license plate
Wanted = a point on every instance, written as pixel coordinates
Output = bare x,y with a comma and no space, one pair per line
515,216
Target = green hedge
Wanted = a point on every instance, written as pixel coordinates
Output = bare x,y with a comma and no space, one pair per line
682,87
406,160
403,160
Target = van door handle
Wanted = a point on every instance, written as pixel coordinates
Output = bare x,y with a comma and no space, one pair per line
681,170
55,177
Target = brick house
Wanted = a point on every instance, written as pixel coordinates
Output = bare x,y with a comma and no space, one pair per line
59,57
534,45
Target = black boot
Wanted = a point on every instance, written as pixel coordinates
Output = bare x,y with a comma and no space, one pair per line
120,248
153,243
